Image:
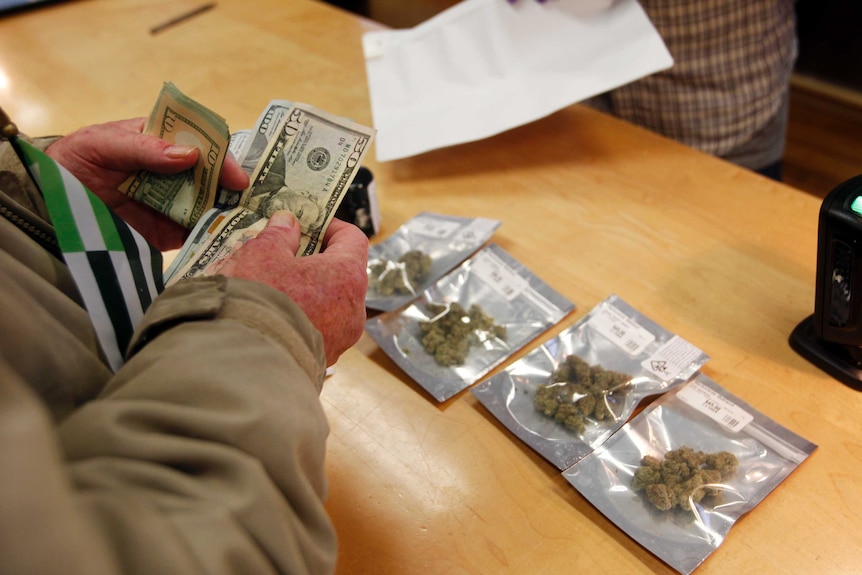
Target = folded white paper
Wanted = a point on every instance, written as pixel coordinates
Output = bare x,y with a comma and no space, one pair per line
486,66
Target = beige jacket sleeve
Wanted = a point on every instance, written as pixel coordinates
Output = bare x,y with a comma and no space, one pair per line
204,453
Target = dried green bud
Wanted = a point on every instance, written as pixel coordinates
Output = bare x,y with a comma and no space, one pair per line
588,389
683,477
450,333
403,277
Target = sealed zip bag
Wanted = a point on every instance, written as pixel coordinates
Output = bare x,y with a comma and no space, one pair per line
566,397
420,252
468,322
684,470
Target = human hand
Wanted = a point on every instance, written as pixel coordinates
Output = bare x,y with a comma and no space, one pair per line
329,286
104,155
583,4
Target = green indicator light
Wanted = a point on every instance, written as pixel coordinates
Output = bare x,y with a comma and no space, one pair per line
856,205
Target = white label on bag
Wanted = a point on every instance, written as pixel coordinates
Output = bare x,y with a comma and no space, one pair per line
715,406
621,329
476,231
499,276
672,358
433,227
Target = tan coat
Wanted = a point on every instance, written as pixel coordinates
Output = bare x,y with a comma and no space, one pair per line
203,454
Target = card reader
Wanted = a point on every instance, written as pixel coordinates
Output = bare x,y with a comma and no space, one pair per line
831,338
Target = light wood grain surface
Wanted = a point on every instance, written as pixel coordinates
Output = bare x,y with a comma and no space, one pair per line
593,206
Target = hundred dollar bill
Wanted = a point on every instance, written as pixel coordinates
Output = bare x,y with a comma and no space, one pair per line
229,199
261,135
183,197
238,142
247,146
213,238
307,168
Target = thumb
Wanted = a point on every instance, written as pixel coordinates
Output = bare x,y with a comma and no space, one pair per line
283,229
121,146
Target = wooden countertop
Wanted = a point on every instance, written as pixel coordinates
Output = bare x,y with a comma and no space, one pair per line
593,206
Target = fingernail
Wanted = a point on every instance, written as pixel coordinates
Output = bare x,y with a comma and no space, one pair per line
179,152
282,219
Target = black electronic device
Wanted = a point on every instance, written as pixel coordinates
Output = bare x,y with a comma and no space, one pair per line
12,6
831,338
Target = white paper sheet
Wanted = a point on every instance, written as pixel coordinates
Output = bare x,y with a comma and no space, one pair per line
486,66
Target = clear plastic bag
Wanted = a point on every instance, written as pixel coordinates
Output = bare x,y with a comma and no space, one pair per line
514,307
706,418
419,253
630,356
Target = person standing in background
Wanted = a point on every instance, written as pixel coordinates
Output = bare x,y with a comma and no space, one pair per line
727,92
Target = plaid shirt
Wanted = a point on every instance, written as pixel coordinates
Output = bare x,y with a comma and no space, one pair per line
727,91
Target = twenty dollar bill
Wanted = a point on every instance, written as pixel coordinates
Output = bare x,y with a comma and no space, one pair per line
307,168
299,158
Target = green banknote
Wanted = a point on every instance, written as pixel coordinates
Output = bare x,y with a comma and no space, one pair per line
306,168
186,196
299,158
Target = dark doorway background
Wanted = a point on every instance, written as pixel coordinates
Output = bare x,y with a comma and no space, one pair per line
830,41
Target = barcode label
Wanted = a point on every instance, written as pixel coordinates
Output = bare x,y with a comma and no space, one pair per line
433,227
621,329
499,276
672,359
715,406
476,231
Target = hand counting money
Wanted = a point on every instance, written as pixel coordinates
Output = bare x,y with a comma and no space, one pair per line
186,196
298,157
